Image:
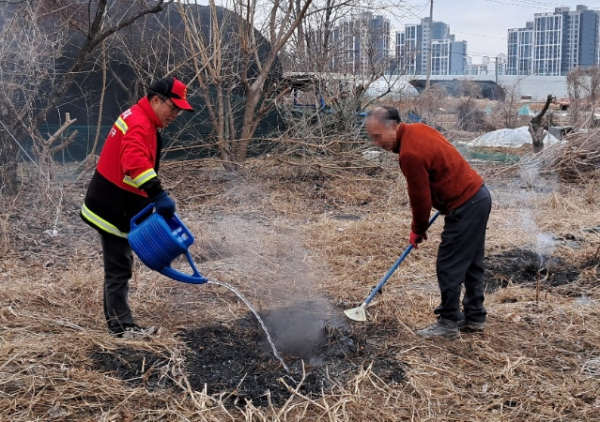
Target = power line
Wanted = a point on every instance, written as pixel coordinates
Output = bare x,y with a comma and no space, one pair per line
529,4
479,35
532,4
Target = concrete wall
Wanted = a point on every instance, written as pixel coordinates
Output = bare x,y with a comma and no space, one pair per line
537,86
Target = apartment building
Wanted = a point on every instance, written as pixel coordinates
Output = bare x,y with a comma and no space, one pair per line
555,43
520,50
448,56
363,44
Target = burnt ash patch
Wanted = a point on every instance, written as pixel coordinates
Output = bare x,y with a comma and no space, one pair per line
239,361
522,266
135,367
389,369
228,362
235,362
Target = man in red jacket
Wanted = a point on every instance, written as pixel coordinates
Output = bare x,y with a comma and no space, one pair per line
438,176
125,181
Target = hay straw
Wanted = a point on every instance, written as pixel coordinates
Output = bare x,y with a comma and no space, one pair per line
536,361
574,161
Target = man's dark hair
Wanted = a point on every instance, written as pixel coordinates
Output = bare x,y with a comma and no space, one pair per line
393,114
385,114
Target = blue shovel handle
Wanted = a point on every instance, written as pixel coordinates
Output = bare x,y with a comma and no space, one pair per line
395,266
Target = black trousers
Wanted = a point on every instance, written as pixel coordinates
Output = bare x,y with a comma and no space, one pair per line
118,269
460,259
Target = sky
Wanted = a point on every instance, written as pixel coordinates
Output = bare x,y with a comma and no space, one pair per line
484,24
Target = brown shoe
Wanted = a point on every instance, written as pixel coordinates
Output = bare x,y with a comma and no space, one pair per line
442,328
472,326
134,332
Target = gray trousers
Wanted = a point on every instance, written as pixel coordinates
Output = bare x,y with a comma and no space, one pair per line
460,259
118,269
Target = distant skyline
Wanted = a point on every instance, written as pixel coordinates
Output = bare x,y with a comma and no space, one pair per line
484,24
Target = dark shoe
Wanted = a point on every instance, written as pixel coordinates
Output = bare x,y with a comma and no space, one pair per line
442,328
133,331
472,326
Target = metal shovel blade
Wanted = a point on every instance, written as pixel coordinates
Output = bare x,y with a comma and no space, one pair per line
357,314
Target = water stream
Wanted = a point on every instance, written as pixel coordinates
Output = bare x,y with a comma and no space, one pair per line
262,324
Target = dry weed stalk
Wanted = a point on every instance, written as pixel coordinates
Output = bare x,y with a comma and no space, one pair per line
537,360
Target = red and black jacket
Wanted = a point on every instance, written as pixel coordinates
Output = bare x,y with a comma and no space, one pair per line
127,171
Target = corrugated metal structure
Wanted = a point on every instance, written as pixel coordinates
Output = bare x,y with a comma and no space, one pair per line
152,46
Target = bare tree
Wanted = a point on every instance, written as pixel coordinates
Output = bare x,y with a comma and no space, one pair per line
318,44
508,109
228,56
583,85
537,129
232,68
345,50
45,46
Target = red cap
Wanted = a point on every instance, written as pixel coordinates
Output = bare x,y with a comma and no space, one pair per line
174,89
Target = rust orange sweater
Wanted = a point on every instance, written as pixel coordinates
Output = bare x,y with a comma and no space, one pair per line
436,173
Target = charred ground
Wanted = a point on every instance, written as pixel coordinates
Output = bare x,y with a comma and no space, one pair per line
284,234
233,360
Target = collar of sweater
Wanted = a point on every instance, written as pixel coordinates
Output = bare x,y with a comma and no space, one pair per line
399,132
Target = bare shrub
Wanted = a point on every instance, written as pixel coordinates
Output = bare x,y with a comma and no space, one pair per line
576,161
470,117
430,105
507,109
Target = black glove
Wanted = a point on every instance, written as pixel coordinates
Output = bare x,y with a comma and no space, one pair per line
164,205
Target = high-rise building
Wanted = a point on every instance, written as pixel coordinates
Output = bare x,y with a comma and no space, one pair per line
520,50
555,43
448,56
363,44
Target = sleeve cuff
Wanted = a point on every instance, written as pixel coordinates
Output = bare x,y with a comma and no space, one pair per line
152,187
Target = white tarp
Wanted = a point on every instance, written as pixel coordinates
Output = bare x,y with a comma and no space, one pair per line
509,138
391,87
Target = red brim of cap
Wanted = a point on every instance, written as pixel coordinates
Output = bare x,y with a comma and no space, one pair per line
182,104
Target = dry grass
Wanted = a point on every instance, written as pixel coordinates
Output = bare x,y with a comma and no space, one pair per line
575,161
279,233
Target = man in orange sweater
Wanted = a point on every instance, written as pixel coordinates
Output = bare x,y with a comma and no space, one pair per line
438,176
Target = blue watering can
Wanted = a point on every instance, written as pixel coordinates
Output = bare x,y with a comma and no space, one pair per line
157,241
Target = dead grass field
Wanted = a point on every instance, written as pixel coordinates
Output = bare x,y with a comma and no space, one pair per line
288,234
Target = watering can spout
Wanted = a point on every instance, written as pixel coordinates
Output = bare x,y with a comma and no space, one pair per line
195,278
185,278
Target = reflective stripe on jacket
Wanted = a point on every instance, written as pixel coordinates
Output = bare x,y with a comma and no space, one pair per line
97,221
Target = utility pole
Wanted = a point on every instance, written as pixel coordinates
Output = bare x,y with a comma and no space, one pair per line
496,69
429,58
